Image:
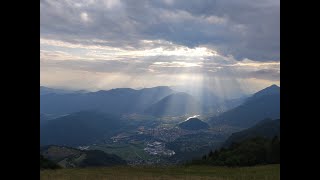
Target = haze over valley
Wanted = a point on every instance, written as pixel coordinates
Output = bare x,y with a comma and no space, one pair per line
159,125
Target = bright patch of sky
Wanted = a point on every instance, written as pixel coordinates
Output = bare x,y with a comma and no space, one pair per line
102,44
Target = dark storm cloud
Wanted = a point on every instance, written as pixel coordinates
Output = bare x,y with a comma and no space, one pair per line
242,28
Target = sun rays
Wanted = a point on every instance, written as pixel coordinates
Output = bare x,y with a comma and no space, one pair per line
152,63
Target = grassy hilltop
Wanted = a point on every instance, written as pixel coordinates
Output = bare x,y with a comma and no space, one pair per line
267,172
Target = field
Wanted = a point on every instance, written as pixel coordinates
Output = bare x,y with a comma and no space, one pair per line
129,151
268,172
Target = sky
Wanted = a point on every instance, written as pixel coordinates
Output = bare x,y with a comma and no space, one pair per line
229,46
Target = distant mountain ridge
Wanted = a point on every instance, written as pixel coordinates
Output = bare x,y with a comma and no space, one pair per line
263,104
116,101
271,90
163,101
176,104
204,95
46,90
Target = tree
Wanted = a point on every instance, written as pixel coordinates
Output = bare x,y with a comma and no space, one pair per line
246,153
204,157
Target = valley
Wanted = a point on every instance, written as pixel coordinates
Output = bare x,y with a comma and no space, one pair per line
159,145
168,138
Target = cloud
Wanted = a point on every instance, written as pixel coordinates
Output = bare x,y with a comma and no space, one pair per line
84,17
244,29
147,48
150,43
159,57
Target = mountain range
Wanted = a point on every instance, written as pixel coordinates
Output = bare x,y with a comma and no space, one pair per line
176,104
83,118
46,90
91,119
151,101
115,101
261,105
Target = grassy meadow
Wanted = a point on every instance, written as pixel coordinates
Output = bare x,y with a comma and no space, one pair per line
267,172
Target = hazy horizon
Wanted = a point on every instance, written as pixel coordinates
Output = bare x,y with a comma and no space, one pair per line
218,92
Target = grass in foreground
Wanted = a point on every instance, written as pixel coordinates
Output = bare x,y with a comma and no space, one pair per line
267,172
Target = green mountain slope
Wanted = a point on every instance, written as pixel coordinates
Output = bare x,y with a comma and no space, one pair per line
250,152
71,157
266,129
80,128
